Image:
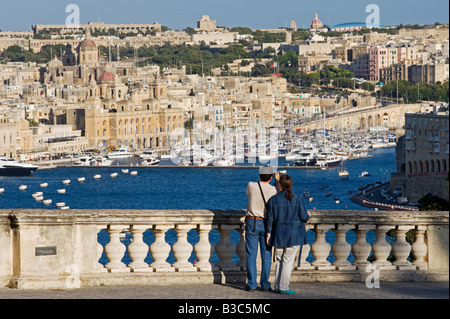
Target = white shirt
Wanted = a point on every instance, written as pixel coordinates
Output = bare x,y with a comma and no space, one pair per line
256,205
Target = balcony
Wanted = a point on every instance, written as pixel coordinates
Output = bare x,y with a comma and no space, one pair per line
129,247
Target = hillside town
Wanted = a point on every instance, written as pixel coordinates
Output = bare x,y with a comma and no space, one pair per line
100,92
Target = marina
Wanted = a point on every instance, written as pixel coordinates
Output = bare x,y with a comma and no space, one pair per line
188,187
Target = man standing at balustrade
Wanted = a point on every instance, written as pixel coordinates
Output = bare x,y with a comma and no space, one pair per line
258,194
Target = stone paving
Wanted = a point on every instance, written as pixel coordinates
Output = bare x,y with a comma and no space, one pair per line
309,290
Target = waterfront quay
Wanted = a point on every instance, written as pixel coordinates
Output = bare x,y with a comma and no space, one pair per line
54,249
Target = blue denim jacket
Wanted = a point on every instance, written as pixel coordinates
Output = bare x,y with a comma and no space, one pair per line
286,220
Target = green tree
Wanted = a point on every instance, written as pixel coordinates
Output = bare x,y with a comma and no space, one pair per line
433,203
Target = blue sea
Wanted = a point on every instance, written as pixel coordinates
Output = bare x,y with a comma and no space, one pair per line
188,187
192,188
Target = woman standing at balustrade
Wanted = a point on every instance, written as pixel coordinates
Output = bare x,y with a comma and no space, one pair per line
285,225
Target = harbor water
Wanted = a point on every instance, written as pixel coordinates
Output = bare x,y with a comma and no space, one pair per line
188,187
191,188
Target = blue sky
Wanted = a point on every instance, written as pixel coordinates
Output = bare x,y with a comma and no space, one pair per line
179,14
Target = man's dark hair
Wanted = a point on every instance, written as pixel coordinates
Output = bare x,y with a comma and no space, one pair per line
265,177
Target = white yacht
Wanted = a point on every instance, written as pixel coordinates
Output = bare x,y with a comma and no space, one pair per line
328,160
119,153
305,158
11,167
149,154
85,161
343,174
226,161
103,161
151,162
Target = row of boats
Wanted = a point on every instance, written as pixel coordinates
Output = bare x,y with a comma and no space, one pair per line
319,149
150,158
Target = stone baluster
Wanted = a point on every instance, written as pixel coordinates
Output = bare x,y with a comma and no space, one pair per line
138,250
100,250
341,248
240,248
401,249
160,249
420,249
225,249
115,249
182,250
304,265
361,248
203,249
320,248
381,248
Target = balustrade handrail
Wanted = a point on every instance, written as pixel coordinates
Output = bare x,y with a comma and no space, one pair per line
220,216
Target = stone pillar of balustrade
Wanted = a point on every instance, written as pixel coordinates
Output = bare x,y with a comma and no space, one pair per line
115,249
420,249
361,248
6,262
381,248
182,249
304,264
401,249
203,249
240,248
138,250
320,248
341,248
160,249
100,249
225,249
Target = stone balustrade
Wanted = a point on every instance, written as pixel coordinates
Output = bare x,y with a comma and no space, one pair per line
65,249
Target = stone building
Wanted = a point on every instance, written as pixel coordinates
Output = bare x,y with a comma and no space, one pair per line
422,156
116,122
87,51
8,139
206,24
100,26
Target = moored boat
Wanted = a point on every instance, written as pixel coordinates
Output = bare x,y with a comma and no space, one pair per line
11,167
119,153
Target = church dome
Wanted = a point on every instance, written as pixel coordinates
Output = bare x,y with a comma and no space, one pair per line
107,76
316,23
88,42
55,63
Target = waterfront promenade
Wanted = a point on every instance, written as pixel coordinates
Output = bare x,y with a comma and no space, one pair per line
305,290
